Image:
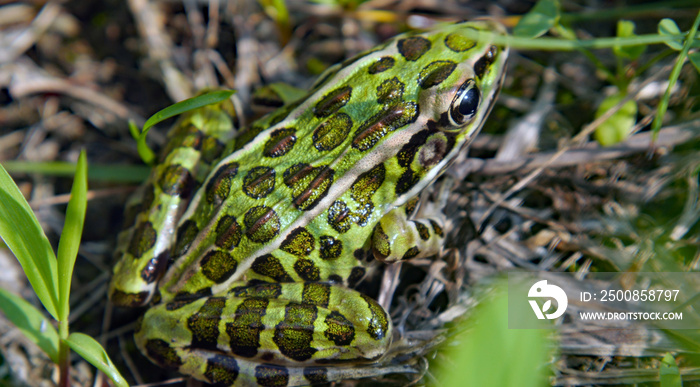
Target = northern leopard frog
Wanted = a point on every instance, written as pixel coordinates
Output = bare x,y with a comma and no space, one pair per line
248,246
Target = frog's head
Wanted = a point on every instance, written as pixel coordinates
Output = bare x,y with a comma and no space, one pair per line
457,86
418,97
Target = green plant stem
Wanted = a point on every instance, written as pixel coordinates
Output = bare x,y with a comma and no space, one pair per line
558,44
675,73
628,12
63,355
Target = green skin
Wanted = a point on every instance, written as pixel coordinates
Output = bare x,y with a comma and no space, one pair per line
248,246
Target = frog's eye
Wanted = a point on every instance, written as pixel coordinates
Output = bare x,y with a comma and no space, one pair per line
465,103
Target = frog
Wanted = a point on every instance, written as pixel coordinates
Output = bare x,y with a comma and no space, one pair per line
247,243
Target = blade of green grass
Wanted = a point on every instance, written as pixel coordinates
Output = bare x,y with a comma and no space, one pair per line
22,233
185,106
31,322
93,352
70,237
145,152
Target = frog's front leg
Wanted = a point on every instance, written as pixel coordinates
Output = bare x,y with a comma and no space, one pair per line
397,237
255,332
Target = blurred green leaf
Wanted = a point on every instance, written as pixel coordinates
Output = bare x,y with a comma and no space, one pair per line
22,233
669,375
625,29
669,27
70,237
618,126
92,351
491,354
695,60
31,322
543,16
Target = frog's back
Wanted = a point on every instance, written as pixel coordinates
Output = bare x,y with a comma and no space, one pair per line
299,196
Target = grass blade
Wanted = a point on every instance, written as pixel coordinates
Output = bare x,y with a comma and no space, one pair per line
22,233
70,237
147,155
92,351
185,106
145,152
31,322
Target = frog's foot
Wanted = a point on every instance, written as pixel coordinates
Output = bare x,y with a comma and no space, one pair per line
302,328
396,237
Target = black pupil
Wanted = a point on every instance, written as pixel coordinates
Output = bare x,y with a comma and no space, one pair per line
469,103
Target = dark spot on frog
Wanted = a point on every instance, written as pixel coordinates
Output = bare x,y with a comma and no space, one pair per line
331,102
382,64
331,248
294,334
316,375
218,265
306,269
356,274
228,232
143,239
299,242
339,329
222,370
186,234
219,186
272,375
160,352
259,182
281,141
270,266
413,48
204,324
318,294
155,267
176,180
244,331
262,224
